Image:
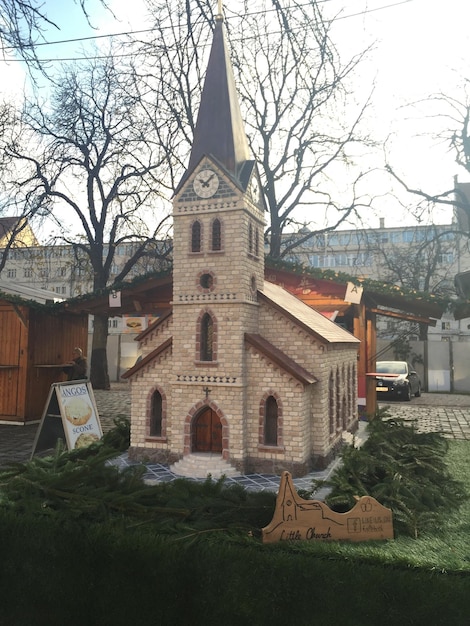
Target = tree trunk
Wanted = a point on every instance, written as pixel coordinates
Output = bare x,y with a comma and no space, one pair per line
99,375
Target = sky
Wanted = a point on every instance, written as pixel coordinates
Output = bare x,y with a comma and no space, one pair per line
420,48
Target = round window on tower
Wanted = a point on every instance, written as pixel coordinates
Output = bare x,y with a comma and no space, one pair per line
206,281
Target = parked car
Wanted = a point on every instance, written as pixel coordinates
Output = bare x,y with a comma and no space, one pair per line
397,379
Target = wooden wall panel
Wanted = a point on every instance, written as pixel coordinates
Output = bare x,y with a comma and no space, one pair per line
29,337
13,343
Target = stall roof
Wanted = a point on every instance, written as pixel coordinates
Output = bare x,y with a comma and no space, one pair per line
144,295
154,293
27,294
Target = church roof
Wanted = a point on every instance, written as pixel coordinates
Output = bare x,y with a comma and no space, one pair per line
281,358
148,358
220,131
304,315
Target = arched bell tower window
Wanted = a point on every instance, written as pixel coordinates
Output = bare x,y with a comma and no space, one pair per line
216,235
196,236
207,338
270,421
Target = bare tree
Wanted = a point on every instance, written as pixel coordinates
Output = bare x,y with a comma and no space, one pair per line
294,96
454,113
422,264
15,230
22,27
92,161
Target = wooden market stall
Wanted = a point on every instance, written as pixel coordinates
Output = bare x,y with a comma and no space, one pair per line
37,336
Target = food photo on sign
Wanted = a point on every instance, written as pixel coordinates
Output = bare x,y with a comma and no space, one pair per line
133,324
81,424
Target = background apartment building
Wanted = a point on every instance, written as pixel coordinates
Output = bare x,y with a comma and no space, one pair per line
421,257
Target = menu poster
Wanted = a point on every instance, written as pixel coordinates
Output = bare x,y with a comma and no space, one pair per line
78,419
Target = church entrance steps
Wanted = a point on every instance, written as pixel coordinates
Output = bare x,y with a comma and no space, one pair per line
200,464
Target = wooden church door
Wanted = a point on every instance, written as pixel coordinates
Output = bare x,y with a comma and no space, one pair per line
207,432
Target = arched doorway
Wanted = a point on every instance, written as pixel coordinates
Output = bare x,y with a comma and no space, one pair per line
207,432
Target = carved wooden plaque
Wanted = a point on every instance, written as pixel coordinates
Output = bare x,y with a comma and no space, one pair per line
296,519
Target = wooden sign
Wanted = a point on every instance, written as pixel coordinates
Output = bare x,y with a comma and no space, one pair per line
296,519
70,414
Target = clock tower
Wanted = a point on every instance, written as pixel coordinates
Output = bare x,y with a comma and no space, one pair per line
218,266
240,375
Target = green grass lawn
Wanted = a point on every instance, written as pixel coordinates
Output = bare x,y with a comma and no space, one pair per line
446,549
84,544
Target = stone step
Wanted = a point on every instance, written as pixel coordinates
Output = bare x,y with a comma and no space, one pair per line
199,465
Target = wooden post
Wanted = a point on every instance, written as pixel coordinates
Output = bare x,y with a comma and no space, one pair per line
371,344
361,334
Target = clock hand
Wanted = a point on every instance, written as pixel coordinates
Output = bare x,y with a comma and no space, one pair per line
205,183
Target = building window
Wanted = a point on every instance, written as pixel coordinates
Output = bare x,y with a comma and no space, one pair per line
196,237
250,238
28,273
270,421
332,403
11,273
256,242
156,414
216,235
206,281
207,338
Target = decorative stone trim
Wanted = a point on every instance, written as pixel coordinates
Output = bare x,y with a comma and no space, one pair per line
205,378
206,297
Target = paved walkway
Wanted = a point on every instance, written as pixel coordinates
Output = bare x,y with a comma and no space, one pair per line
447,413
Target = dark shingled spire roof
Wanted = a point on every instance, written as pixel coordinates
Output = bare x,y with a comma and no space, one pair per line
220,132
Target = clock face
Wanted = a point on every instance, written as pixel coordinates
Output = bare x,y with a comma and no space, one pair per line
206,183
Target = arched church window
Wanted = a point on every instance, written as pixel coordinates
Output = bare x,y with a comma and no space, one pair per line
256,242
207,338
270,421
196,237
216,235
156,414
250,238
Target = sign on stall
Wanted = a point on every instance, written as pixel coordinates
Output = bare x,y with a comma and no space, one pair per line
70,414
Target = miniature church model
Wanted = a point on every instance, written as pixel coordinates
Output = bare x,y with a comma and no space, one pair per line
241,372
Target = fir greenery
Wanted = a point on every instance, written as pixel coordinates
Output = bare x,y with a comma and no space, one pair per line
82,487
405,470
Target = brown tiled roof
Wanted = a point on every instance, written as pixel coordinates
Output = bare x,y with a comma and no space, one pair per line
316,323
279,357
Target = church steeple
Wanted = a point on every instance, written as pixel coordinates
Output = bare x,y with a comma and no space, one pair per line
220,131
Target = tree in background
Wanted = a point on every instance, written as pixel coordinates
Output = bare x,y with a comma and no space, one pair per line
294,95
22,25
93,159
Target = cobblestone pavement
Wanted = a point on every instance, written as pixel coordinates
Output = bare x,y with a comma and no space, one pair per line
448,413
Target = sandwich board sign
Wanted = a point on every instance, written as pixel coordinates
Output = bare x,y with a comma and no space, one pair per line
70,414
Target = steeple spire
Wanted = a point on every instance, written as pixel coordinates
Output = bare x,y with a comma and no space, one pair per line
219,128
